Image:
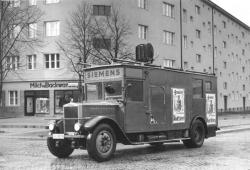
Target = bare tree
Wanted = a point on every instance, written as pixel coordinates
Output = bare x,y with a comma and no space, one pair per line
85,33
15,26
112,32
77,42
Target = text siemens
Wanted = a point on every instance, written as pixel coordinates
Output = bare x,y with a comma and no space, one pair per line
103,74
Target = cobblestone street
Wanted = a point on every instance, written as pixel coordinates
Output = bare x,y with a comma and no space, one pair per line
226,151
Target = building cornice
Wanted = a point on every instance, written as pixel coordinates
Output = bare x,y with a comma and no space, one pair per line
224,12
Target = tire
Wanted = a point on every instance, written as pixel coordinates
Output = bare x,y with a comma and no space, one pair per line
62,151
102,144
197,135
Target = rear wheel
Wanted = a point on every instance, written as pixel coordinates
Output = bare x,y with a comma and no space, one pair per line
63,149
102,144
197,135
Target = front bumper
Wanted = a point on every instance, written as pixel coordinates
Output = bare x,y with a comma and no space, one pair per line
66,136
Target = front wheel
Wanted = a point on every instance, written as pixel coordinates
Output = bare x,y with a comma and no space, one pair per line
197,135
63,149
102,144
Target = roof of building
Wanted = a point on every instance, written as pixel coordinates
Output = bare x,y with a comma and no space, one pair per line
223,11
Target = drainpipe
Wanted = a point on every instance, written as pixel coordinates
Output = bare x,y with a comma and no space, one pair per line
181,34
213,38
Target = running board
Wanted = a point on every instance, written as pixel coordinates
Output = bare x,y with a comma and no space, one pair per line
159,141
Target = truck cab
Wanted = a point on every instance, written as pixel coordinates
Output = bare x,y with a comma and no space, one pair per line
136,104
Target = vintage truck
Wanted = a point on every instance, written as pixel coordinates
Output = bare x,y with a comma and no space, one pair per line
136,104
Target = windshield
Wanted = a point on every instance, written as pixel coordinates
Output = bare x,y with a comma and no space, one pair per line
104,90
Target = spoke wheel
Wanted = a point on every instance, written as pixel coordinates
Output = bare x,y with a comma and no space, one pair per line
102,144
197,135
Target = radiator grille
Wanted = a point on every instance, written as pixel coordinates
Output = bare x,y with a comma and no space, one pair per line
70,112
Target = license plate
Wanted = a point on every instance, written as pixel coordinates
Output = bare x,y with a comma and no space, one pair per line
58,136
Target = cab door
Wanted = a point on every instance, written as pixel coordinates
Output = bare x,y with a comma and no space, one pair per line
156,118
136,107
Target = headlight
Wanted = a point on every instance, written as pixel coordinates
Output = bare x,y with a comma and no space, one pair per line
52,126
77,126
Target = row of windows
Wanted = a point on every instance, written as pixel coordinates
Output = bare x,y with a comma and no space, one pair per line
198,12
52,61
52,28
167,8
17,3
225,86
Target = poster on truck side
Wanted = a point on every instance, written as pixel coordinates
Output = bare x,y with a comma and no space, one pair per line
178,100
211,108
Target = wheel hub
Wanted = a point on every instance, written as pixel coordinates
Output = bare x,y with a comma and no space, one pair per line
104,142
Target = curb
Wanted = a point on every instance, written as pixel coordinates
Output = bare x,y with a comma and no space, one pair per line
25,126
232,130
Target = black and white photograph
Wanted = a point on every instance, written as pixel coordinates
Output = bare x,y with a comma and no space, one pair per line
124,84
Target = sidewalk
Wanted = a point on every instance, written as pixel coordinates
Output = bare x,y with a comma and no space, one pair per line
36,127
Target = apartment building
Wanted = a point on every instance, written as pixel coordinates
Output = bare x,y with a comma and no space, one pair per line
193,35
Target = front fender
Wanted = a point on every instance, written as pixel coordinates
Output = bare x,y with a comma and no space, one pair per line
91,123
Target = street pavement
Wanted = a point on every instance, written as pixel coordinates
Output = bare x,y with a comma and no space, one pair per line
23,146
228,151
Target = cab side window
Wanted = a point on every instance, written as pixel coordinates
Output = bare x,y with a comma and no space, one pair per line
197,89
135,90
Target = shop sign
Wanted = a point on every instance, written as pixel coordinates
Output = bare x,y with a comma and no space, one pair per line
178,100
49,84
211,109
103,74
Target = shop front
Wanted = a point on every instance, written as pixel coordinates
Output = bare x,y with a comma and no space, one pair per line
39,97
36,102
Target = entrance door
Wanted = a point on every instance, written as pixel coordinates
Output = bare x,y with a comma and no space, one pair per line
225,103
244,104
29,111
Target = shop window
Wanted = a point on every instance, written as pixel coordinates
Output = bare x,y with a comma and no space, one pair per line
42,105
197,89
135,91
64,97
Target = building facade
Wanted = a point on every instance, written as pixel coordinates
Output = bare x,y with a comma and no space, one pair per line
192,35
